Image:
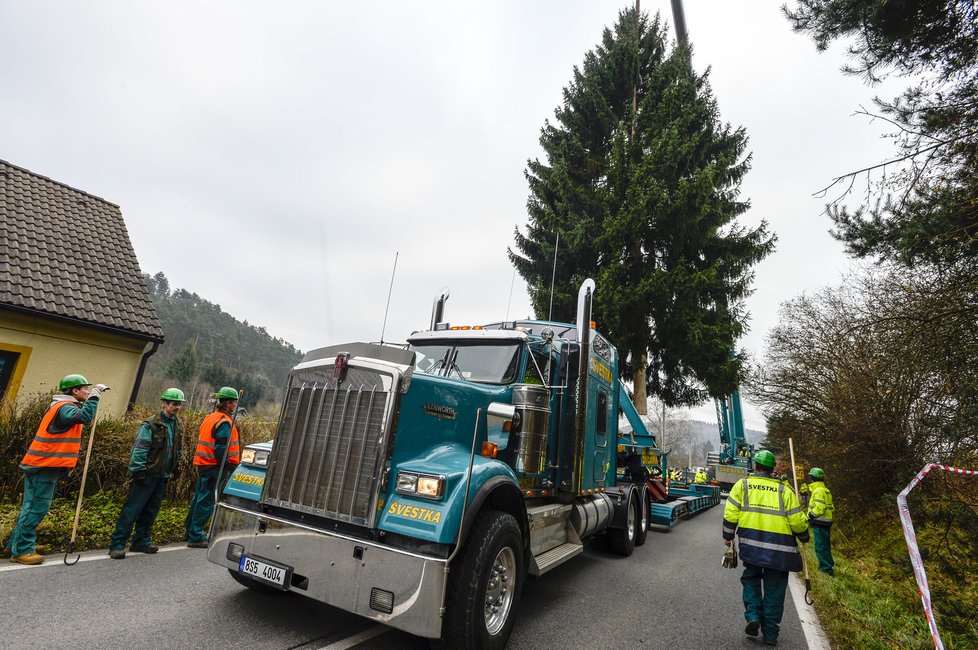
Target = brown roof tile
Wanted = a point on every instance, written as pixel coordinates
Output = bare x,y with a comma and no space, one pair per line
55,241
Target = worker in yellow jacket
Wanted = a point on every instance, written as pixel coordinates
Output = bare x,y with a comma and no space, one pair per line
820,513
767,518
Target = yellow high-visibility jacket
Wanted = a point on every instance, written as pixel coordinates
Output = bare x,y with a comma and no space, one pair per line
767,518
820,506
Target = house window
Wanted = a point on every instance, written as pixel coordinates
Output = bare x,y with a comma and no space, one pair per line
8,361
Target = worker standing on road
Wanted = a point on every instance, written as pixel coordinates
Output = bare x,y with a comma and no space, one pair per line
155,458
53,452
820,511
767,517
217,436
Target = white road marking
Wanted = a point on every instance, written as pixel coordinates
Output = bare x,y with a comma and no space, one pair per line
814,634
57,559
351,641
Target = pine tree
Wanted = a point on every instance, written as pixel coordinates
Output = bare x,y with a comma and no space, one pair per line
645,201
183,367
927,212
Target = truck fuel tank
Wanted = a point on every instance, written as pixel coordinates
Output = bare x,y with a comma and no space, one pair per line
532,402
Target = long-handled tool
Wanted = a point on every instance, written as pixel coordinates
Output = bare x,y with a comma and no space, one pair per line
220,467
804,557
224,456
81,490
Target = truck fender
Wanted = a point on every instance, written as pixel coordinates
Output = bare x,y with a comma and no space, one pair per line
498,493
624,495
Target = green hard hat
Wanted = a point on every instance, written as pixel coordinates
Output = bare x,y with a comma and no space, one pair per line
765,458
72,381
226,393
817,474
173,395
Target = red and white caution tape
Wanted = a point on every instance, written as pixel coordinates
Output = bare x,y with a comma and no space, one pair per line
911,537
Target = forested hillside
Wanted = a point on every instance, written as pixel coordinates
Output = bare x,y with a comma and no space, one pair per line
206,347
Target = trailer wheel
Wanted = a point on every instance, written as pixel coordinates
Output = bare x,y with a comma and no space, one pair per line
252,584
642,528
484,585
622,540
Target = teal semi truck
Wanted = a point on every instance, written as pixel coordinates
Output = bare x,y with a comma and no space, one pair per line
419,486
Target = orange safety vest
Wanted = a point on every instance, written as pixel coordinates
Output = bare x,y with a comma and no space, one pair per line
54,449
204,455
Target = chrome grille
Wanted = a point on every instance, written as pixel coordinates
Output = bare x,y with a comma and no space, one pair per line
331,445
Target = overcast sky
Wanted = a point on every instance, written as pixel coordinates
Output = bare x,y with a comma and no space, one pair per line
274,156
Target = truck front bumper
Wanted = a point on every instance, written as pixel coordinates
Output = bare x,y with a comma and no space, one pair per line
352,574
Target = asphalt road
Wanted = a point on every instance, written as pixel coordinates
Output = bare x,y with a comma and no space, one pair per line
671,593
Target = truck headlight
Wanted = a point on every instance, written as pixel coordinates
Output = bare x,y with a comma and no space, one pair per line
420,485
258,457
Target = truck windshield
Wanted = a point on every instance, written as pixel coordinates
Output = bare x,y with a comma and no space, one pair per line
487,363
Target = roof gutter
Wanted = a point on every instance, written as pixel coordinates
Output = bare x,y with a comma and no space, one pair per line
139,374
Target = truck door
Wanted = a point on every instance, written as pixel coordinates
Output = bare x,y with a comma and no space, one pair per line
601,427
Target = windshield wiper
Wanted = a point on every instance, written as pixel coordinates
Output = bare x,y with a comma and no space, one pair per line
454,366
441,363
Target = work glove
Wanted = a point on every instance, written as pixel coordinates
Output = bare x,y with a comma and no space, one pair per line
729,558
97,390
140,478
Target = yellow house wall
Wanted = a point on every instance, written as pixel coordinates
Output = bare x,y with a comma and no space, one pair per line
54,349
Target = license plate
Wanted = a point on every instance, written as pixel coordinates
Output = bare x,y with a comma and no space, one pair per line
273,574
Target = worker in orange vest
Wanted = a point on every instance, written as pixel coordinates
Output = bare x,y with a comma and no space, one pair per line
217,438
53,452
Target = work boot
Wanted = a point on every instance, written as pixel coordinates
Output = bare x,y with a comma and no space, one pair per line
197,544
144,549
28,558
117,553
753,627
768,641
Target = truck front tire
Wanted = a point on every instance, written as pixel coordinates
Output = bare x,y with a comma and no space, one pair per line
484,585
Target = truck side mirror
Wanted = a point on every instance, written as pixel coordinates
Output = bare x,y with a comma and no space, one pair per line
501,419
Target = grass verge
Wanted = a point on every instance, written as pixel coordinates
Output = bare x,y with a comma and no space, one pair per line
98,516
873,601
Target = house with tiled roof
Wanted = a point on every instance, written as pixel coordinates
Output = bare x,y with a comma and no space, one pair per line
72,297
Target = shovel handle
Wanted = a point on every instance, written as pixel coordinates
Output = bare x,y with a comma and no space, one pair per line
81,491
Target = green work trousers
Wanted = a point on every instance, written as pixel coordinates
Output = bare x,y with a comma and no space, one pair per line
764,591
823,549
201,504
141,507
39,489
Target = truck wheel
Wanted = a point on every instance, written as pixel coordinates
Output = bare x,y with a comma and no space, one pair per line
622,540
252,584
642,528
484,585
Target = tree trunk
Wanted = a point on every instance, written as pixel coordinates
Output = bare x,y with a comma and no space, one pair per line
639,398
